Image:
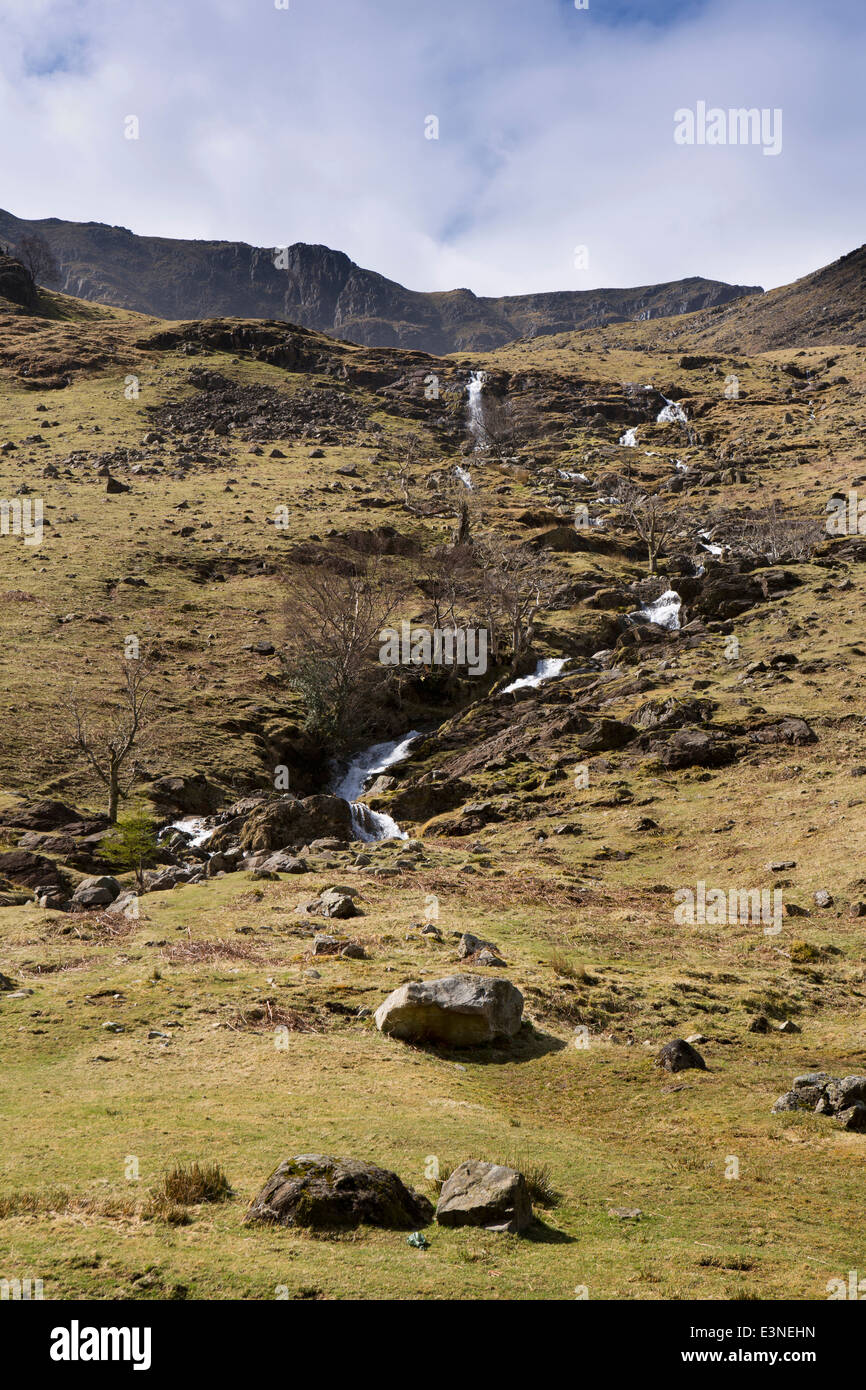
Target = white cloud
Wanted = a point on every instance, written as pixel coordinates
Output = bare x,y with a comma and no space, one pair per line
556,129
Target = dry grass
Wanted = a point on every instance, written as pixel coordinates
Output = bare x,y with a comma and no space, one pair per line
189,1184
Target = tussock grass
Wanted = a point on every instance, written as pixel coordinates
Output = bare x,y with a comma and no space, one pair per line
193,1183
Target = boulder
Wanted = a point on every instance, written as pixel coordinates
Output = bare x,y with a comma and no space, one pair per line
282,863
337,903
470,945
459,1011
679,1055
188,795
96,892
325,1193
485,1194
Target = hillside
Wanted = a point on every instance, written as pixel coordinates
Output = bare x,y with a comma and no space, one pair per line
823,308
323,289
190,470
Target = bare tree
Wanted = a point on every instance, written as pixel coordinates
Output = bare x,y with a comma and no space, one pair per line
647,514
517,586
333,623
36,255
108,741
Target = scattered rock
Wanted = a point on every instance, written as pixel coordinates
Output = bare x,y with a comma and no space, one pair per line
485,1194
843,1098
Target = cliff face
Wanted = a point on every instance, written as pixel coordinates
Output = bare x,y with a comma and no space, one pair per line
323,289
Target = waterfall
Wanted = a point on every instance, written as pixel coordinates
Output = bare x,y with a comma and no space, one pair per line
372,825
546,669
671,413
475,407
192,826
629,439
463,476
663,611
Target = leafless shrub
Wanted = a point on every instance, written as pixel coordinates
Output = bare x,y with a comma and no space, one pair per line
775,537
653,518
517,585
333,623
107,741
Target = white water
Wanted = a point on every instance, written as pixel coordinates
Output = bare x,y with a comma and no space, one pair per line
682,467
664,611
475,407
546,669
671,413
706,544
372,825
629,439
193,826
463,476
572,477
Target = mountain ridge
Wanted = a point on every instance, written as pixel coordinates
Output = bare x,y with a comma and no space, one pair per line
318,287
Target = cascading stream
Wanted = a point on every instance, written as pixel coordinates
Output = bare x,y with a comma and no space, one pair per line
369,825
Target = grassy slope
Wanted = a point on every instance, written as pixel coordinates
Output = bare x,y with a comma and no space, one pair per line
614,1130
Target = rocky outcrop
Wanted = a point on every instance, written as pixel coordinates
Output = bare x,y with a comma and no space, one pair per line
291,822
457,1011
16,283
325,1193
844,1098
35,871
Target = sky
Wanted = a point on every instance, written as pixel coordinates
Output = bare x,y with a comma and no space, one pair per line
556,165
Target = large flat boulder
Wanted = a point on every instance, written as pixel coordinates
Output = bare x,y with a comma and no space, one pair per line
326,1193
459,1010
291,822
485,1194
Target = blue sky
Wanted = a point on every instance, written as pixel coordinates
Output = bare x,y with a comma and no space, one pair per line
555,132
